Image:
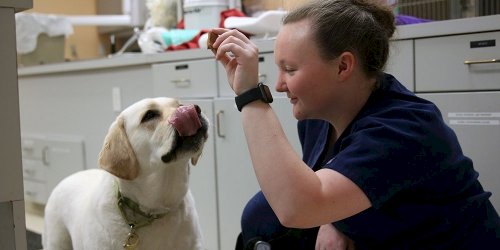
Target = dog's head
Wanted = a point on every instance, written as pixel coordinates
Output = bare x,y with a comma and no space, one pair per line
152,133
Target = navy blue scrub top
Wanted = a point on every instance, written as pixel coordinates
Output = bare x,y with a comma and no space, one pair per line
424,191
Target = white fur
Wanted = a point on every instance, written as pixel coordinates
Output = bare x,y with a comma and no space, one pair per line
82,211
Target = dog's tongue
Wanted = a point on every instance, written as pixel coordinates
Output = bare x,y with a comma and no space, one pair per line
185,120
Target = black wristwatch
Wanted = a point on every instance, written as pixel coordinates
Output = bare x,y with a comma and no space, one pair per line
261,92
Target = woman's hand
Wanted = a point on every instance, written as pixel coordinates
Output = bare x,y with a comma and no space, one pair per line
240,58
329,238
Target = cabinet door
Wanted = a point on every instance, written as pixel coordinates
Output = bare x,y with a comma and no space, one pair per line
400,63
475,118
202,181
47,160
236,179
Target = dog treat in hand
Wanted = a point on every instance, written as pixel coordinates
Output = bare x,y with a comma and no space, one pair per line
185,120
211,40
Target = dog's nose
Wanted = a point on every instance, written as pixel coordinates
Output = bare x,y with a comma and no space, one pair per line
198,110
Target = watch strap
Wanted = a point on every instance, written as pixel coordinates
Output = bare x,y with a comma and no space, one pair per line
261,92
247,97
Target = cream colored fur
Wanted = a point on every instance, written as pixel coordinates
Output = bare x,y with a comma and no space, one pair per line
82,211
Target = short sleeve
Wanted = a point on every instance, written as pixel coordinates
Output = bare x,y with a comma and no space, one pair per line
390,152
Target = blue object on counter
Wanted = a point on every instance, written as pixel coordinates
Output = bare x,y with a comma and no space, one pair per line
178,36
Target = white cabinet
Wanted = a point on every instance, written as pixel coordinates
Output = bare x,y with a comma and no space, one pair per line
460,74
195,82
468,62
48,160
236,181
475,118
268,74
195,78
400,62
202,181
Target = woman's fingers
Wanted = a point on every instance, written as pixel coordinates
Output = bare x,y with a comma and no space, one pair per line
239,56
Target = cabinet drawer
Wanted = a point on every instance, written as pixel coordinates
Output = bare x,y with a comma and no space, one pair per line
33,148
34,169
455,63
400,62
268,74
35,191
185,79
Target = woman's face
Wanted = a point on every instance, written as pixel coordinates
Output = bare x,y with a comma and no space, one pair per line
307,79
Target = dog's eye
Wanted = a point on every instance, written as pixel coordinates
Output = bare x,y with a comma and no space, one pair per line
150,115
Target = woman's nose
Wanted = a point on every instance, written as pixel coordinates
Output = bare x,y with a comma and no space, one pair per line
280,85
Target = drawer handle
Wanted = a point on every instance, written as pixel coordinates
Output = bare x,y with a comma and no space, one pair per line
181,83
263,78
30,172
45,156
31,193
469,62
218,116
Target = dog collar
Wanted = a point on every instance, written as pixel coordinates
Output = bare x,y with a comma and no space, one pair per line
134,217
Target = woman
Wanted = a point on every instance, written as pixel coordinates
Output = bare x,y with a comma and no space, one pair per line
380,168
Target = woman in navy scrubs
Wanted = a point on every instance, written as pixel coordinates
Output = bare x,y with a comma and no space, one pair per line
380,168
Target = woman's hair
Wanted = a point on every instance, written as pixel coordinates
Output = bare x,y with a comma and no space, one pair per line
362,27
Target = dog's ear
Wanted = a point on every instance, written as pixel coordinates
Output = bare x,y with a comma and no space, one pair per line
195,158
117,156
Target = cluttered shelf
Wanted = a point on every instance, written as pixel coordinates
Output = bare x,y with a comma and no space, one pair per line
421,30
156,26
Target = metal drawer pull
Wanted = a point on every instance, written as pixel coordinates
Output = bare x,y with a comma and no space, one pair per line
45,156
263,78
218,116
482,61
181,83
30,172
30,193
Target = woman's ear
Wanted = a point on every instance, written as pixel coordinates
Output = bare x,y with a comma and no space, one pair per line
347,62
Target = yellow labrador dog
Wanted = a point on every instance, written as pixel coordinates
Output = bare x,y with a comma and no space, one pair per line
140,199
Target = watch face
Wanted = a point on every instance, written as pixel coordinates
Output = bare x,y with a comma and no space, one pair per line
266,93
261,245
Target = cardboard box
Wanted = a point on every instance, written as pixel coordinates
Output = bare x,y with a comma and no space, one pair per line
48,50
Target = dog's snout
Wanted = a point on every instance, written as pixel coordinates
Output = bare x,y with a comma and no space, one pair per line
198,110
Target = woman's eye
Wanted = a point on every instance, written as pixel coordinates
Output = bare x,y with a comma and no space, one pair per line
149,115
